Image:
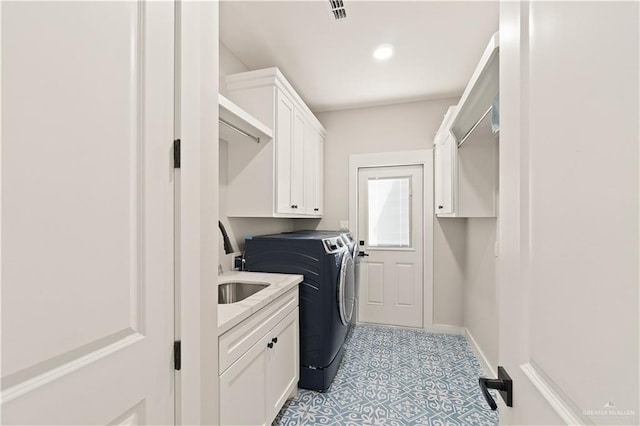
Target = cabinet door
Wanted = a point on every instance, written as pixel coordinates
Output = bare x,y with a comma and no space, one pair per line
283,369
444,175
310,170
243,387
284,138
313,173
297,163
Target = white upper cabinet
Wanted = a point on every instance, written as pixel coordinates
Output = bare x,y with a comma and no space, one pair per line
444,166
282,177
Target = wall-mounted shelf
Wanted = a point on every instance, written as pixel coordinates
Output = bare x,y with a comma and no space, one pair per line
237,124
479,94
466,174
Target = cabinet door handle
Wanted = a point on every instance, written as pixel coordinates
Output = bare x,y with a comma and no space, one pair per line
316,209
440,207
294,206
270,345
274,340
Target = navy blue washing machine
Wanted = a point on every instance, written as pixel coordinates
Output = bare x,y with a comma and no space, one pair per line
352,246
326,299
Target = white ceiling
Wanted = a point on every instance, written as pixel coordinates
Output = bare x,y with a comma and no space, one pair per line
330,64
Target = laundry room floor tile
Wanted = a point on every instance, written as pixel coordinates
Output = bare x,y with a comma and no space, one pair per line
395,376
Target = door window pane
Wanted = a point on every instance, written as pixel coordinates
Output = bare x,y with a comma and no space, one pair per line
389,211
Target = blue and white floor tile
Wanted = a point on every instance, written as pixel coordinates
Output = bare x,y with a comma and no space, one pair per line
397,377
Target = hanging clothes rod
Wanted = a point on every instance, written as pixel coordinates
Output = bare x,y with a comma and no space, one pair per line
464,139
242,132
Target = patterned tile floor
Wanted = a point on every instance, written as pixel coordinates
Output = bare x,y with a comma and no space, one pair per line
394,376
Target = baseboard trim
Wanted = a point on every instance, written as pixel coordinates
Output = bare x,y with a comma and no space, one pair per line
568,414
486,366
444,329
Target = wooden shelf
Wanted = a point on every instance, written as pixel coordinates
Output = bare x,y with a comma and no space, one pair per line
243,121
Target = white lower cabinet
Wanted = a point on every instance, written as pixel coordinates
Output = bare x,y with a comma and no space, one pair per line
282,365
256,385
243,390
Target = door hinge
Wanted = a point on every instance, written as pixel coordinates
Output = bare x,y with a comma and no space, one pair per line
176,154
177,355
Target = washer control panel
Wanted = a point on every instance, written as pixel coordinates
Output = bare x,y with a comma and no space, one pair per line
333,245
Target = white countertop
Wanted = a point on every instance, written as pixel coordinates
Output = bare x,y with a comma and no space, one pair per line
230,315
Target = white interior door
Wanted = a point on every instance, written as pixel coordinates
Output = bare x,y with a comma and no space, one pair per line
87,212
390,229
568,221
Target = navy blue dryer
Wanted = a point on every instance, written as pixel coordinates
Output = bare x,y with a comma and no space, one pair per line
326,295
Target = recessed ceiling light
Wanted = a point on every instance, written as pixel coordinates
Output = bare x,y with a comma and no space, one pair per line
383,52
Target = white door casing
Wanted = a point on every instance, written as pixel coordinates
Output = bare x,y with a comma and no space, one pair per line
391,278
196,226
568,220
87,212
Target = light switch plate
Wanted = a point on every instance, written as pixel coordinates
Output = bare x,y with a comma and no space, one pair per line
344,225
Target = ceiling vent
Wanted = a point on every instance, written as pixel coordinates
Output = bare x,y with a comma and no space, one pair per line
338,10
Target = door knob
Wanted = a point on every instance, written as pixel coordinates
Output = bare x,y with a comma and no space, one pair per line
503,384
274,340
270,345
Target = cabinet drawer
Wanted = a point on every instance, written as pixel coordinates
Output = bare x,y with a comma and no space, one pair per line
238,340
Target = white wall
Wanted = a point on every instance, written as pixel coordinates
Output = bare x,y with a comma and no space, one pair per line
449,263
480,303
238,228
228,64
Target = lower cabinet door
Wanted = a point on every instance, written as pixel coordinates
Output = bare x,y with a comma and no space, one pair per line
283,363
243,387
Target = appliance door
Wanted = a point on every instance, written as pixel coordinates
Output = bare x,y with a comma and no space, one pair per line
346,288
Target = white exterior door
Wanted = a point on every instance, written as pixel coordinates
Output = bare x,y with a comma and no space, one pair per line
390,228
87,212
568,219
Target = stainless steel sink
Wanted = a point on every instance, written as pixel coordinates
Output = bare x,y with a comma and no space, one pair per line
236,291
